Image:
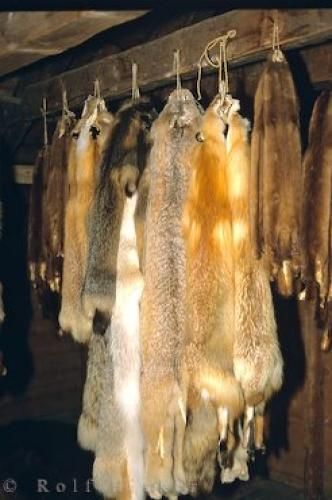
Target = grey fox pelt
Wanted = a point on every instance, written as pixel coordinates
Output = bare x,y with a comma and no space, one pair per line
163,300
276,174
317,202
55,200
119,453
257,360
92,393
121,170
83,167
207,226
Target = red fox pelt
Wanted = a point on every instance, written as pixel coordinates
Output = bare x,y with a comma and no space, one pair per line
317,201
119,452
163,300
207,223
276,174
257,360
83,166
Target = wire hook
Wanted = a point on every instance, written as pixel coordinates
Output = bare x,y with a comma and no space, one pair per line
176,69
135,93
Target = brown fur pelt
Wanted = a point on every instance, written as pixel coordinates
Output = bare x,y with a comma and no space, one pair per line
210,334
122,171
55,200
276,174
317,204
83,171
35,220
163,301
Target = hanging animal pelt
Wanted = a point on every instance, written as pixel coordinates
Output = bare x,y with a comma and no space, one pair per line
119,455
119,207
276,174
83,170
121,171
34,221
257,359
36,224
317,205
163,301
207,224
92,393
55,200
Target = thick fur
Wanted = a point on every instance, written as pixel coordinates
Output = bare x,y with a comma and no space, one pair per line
121,170
163,301
258,364
82,175
200,444
210,311
55,202
120,440
92,394
276,173
257,359
317,199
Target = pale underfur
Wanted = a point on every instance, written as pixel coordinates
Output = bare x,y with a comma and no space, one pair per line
120,439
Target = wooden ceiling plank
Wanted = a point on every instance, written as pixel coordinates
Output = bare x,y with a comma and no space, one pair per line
298,28
50,33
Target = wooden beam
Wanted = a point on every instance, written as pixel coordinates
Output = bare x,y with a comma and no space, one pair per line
26,37
298,28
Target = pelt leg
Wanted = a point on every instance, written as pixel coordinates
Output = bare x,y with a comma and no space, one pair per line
180,428
259,427
159,463
248,427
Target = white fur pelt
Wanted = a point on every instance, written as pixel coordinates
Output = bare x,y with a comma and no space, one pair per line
119,453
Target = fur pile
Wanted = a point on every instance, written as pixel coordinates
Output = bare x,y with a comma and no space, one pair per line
276,174
162,281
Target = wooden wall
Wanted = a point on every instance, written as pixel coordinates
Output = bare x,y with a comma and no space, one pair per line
45,372
300,427
54,377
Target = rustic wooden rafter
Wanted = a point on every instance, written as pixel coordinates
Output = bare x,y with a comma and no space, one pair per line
298,28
